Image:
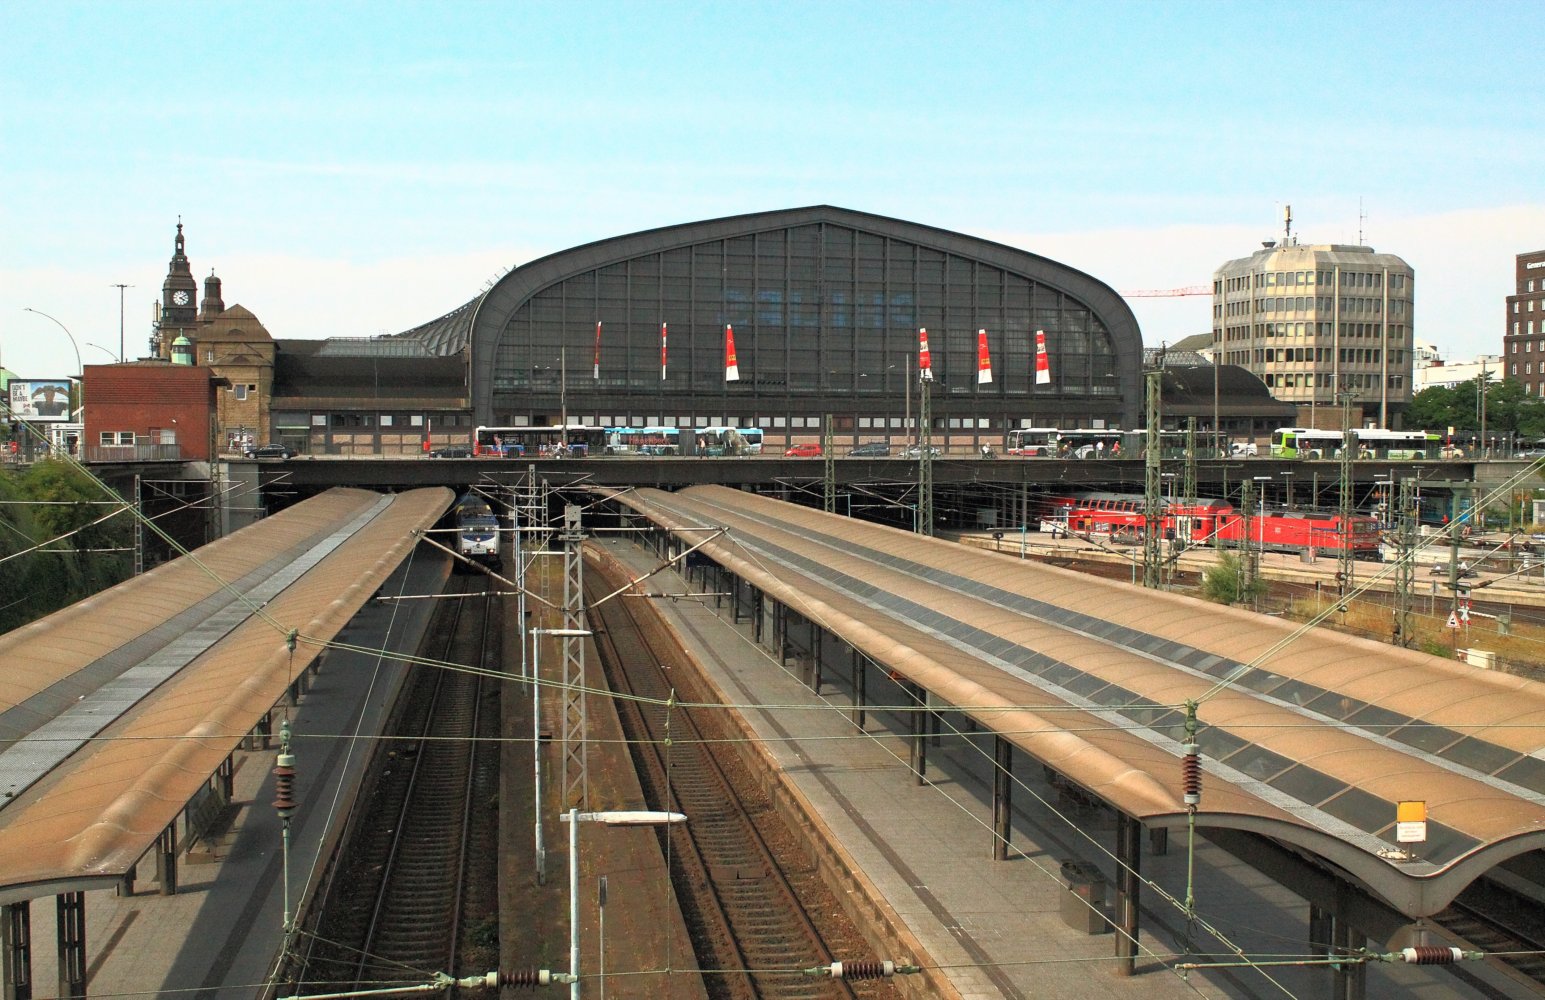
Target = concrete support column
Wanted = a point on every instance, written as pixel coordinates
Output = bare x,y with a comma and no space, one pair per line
17,944
72,943
1350,979
1002,796
1129,853
860,687
816,652
166,860
918,724
757,610
227,775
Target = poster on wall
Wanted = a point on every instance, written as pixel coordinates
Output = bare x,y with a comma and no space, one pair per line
39,399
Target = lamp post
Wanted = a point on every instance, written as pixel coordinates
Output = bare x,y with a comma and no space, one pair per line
66,330
536,737
574,817
105,351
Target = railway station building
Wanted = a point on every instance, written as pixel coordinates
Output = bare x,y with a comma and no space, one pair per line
823,304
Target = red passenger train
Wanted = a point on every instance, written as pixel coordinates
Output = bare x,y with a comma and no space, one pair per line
1120,515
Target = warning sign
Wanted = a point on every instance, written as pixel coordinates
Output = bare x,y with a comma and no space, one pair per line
1410,822
1453,620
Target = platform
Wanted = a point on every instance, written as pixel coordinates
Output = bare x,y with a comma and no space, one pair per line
997,928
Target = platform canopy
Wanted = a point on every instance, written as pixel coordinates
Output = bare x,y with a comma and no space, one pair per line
116,711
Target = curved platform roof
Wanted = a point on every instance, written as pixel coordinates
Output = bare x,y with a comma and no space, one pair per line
1308,739
116,710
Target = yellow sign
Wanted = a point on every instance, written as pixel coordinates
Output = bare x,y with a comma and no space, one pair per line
1410,822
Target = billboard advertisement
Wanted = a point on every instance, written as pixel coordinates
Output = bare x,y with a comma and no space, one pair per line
39,399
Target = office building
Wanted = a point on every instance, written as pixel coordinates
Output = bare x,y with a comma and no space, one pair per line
1523,342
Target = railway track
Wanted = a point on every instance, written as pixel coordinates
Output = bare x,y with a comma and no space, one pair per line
395,911
1506,925
747,904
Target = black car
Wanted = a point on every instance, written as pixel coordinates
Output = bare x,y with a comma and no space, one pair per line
871,449
270,451
455,451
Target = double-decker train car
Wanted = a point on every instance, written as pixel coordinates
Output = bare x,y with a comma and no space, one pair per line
1120,516
477,531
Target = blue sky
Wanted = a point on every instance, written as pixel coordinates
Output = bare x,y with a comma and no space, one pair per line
355,169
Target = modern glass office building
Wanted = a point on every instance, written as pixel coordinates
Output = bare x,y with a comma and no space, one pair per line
825,306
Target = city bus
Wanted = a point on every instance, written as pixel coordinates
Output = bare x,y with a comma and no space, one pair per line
643,441
1031,442
576,440
1372,442
1108,442
722,440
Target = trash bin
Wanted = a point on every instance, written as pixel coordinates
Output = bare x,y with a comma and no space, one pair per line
1083,905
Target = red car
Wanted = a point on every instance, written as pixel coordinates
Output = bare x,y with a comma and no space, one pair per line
808,449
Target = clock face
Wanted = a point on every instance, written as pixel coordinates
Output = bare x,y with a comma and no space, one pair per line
181,298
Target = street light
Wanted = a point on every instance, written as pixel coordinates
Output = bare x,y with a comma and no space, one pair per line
105,351
536,736
66,330
636,817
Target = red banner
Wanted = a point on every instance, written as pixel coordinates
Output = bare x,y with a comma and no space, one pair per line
595,368
1042,362
731,369
924,359
983,359
662,351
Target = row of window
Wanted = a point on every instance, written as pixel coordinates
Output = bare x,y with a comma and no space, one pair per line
1528,330
397,421
1349,331
1529,303
1322,380
126,439
1528,344
1352,355
1283,279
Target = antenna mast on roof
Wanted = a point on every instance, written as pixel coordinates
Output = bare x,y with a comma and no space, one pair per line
1287,232
1361,218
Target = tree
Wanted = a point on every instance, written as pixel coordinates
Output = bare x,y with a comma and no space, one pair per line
1510,413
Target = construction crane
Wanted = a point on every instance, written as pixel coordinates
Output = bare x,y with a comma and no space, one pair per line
1167,293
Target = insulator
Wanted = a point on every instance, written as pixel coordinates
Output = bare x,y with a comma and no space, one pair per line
1431,954
531,978
284,785
853,971
1191,774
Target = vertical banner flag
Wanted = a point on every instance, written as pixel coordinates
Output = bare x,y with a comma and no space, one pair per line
731,369
924,359
1042,363
983,359
662,351
595,367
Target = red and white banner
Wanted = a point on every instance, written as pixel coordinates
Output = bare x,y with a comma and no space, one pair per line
595,367
924,359
983,359
662,351
731,369
1042,362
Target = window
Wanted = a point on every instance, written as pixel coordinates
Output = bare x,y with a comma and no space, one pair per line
386,420
319,420
108,439
240,390
126,438
1515,369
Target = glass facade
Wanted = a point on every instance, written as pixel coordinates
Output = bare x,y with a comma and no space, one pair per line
825,320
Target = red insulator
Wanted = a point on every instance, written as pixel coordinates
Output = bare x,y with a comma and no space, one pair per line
530,978
284,786
852,971
1431,954
1191,774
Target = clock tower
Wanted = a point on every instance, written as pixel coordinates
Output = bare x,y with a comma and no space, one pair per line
179,292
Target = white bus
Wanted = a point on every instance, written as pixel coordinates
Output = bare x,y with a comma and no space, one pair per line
724,440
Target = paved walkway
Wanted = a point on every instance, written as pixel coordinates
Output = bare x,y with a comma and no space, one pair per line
996,927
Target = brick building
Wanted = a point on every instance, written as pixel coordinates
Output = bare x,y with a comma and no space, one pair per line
1523,339
150,410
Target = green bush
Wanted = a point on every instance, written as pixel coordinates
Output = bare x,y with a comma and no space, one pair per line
1225,582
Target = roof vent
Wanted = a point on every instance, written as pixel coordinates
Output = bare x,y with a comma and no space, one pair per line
1268,244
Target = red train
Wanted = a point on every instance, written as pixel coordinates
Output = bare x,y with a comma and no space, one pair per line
1120,516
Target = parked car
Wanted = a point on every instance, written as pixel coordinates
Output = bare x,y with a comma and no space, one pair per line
871,449
453,451
1242,449
806,449
270,451
916,451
